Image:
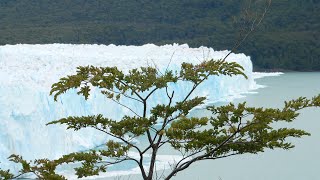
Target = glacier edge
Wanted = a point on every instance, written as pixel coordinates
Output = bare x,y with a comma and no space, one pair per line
27,72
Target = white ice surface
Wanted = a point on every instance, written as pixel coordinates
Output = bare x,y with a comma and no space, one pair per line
258,75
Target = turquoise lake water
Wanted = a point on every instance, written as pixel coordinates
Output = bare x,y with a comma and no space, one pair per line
300,163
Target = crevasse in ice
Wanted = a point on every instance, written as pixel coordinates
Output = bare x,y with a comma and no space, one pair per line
28,71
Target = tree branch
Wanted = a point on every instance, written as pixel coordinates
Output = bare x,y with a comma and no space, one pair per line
252,29
125,95
118,137
118,102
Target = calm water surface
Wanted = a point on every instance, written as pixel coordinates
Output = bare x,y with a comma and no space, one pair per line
300,163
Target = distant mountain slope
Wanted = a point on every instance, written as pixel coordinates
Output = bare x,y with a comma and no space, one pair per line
287,40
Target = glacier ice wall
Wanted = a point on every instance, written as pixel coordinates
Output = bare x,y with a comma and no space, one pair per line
28,71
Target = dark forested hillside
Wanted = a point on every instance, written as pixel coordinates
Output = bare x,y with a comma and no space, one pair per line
288,39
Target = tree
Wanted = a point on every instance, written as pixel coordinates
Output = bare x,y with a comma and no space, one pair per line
232,129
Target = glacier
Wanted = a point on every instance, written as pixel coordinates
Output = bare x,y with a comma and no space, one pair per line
28,71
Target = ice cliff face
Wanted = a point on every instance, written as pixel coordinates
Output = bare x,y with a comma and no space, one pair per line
28,71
